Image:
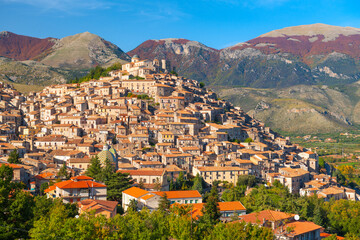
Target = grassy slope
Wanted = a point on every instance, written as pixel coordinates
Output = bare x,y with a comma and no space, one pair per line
301,109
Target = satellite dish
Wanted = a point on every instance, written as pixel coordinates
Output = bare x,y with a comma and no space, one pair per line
297,217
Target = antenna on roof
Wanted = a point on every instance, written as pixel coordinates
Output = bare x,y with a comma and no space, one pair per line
297,217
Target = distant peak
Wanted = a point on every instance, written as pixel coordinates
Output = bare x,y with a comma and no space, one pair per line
330,32
4,33
173,40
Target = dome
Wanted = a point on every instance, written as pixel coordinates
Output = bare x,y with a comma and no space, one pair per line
113,151
135,56
106,154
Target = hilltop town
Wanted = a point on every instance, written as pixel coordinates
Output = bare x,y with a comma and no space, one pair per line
153,125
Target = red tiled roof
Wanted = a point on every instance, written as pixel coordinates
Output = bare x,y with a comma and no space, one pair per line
13,166
180,194
81,184
267,215
300,227
135,192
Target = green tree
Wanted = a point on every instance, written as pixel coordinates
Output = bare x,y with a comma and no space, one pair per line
319,215
51,226
164,203
240,230
198,183
133,205
14,157
211,212
202,84
246,180
321,162
63,173
248,140
116,183
94,169
43,187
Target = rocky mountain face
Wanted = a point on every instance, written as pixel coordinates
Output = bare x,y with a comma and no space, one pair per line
188,58
309,54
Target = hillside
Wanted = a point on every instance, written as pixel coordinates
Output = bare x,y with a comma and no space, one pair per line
34,61
308,54
83,51
31,72
300,109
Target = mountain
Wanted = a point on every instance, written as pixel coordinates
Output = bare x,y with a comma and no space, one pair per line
308,54
33,61
80,51
189,58
300,109
83,51
21,48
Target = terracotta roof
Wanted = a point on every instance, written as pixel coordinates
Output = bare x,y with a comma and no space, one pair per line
51,188
325,235
13,166
90,204
268,215
230,206
300,227
82,178
80,184
135,192
180,194
148,196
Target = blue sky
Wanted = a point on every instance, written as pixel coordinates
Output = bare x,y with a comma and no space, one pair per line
127,23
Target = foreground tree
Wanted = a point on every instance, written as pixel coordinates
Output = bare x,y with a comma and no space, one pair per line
164,203
94,169
14,157
116,183
198,184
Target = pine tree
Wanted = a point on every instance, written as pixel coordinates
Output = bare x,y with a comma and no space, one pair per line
164,203
198,184
14,157
94,169
318,215
211,212
116,183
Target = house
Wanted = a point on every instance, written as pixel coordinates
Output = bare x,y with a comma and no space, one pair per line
151,200
293,178
103,207
151,178
298,230
77,189
144,198
284,225
20,175
211,174
182,197
226,209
